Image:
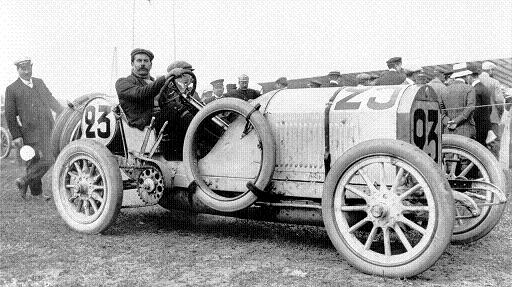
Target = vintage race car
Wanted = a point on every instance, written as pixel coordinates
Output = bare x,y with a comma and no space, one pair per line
370,164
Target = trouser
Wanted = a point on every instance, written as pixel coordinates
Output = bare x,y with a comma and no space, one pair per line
37,167
178,120
494,146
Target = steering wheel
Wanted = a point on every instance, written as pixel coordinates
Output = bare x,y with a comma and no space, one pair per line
171,88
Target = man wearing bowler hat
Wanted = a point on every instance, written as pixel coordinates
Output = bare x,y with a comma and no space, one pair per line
29,99
394,76
243,92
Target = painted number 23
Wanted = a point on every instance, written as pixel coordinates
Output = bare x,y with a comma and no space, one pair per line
97,126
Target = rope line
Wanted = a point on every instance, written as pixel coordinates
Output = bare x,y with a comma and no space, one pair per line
479,106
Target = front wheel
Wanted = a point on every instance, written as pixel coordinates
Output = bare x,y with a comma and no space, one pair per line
387,208
87,186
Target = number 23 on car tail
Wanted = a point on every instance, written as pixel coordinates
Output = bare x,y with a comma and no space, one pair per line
336,119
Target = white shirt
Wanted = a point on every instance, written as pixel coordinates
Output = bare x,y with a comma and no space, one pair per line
475,82
28,83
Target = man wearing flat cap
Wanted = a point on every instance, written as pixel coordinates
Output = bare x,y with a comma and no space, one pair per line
216,93
394,76
138,92
334,79
243,92
29,99
497,100
184,81
281,83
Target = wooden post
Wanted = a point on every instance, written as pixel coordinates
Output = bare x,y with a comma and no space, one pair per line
506,144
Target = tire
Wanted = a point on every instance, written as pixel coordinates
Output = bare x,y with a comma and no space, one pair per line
60,122
71,130
99,188
424,215
268,157
472,229
64,132
5,144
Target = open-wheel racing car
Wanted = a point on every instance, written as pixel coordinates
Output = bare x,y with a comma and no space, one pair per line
368,163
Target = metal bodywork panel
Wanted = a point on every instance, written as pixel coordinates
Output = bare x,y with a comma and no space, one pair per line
298,118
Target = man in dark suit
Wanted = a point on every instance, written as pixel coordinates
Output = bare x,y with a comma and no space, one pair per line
230,88
29,99
139,99
243,92
137,92
460,104
334,79
394,75
482,113
216,93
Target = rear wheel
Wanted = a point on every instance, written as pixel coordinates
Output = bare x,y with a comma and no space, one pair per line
387,208
71,130
466,159
60,122
87,186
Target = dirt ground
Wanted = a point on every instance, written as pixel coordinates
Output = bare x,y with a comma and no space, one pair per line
155,247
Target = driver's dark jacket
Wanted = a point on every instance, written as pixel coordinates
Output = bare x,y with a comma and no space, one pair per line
136,98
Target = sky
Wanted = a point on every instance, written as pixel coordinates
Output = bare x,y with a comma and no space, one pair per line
72,43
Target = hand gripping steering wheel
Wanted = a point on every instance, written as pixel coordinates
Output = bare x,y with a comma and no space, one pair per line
171,88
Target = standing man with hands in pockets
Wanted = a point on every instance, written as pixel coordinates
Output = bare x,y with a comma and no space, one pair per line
29,99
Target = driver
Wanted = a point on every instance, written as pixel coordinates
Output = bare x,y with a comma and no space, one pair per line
137,92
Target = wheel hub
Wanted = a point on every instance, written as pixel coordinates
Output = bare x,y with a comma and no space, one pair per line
385,208
378,211
151,185
148,185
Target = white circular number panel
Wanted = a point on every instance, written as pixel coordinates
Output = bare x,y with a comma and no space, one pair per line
98,121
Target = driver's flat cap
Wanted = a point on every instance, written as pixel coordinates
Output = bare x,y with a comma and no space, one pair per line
179,64
243,78
142,51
